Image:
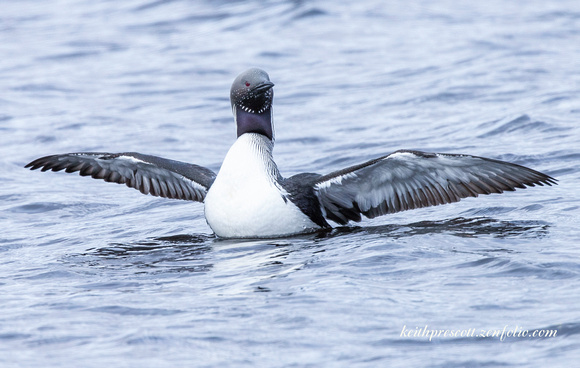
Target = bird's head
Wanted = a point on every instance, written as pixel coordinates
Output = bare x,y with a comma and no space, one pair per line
251,97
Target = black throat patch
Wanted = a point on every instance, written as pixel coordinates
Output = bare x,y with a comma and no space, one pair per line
249,122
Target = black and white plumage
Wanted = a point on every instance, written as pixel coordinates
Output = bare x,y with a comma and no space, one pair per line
405,180
149,174
250,198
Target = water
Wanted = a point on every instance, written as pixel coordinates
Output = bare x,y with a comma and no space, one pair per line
94,274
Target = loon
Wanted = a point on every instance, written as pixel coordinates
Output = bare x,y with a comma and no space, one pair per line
249,198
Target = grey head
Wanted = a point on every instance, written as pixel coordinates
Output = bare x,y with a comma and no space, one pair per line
251,97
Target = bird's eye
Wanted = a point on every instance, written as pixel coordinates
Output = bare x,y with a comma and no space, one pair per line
247,84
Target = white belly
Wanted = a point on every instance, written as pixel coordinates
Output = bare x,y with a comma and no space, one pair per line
244,201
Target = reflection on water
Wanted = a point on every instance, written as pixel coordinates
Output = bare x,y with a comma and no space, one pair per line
190,243
462,227
172,254
191,253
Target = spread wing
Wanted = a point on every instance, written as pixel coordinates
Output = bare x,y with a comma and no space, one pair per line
406,180
149,174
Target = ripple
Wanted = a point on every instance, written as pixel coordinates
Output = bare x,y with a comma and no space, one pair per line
546,271
41,87
486,211
14,336
522,123
5,118
51,275
310,13
40,207
69,55
566,329
129,311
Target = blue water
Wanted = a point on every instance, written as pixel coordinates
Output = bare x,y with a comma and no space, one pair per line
94,274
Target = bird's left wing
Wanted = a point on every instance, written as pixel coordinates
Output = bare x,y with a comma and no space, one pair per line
149,174
405,180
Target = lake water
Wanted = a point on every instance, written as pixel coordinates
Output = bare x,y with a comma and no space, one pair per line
94,274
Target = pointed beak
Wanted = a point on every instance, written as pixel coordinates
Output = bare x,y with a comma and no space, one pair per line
262,87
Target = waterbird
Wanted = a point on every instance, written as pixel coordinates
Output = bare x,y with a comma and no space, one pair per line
249,198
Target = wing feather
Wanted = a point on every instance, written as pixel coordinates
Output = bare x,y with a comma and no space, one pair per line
406,180
148,174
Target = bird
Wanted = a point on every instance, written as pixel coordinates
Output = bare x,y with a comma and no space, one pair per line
249,198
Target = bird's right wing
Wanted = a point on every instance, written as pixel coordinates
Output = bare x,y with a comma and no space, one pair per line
407,179
149,174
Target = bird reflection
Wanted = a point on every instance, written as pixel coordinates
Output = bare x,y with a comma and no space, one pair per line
460,226
266,258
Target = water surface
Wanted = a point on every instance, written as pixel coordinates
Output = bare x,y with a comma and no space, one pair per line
95,274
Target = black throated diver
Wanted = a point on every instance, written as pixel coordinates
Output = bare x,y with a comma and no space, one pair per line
249,198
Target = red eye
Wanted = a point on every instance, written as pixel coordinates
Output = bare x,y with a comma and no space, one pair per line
247,84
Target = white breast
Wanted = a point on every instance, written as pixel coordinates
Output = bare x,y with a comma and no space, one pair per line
245,201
